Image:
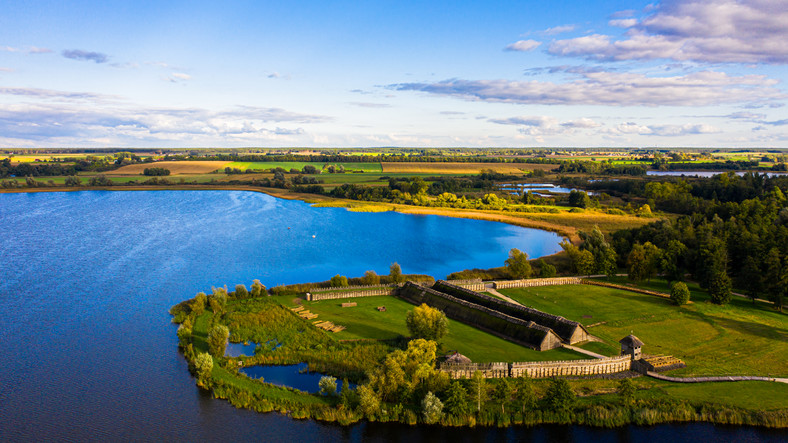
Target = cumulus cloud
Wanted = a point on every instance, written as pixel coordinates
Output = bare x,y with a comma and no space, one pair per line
662,130
539,125
76,122
623,23
612,89
88,56
735,31
523,45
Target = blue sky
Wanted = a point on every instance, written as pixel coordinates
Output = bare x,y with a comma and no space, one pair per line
342,74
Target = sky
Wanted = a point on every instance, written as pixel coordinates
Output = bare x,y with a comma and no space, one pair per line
579,73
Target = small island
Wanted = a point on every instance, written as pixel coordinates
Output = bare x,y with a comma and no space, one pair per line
599,351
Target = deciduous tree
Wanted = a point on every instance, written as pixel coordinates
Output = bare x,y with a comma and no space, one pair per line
517,264
427,322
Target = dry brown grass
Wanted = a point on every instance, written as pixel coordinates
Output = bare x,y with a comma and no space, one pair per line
460,168
176,168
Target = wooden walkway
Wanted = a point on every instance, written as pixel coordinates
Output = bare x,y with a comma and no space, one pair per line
724,378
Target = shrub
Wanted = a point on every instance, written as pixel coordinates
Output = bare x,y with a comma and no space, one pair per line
431,408
679,293
328,385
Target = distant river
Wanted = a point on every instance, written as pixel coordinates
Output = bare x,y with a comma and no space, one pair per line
86,278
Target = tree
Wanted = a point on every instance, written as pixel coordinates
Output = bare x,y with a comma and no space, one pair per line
368,401
257,289
750,278
672,261
370,278
431,408
774,278
217,340
604,255
478,389
328,385
73,181
309,169
642,261
584,263
579,199
720,288
502,392
517,264
524,396
218,300
427,322
395,272
203,365
679,293
626,389
199,302
241,292
546,270
339,281
456,400
560,396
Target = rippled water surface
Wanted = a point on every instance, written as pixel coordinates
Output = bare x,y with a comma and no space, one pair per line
86,279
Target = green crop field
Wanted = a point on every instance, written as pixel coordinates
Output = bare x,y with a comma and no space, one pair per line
365,321
736,339
352,166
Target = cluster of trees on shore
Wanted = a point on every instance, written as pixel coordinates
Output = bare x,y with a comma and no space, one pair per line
737,238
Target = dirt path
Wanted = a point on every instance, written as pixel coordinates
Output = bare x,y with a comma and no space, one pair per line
492,291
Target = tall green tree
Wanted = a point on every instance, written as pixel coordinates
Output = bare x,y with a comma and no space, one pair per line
524,395
672,261
395,272
203,365
560,396
339,281
370,278
546,270
217,340
642,261
502,393
517,264
720,288
456,400
478,389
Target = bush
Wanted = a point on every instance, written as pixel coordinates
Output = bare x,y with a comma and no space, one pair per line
339,281
431,408
217,340
427,322
328,385
203,365
679,293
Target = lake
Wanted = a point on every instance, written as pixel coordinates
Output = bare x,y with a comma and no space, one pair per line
86,279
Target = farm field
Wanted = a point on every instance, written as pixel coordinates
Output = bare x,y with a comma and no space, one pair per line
365,321
461,168
734,339
175,167
349,166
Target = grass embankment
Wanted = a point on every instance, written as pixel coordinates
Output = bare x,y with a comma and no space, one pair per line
364,321
735,339
349,166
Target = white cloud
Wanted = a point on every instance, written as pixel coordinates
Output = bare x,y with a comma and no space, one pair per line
612,89
6,70
523,45
623,23
370,105
662,130
743,31
559,29
539,125
181,76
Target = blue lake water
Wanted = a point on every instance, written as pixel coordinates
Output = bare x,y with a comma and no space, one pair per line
86,279
293,376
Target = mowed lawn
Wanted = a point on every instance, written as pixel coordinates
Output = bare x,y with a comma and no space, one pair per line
364,321
737,339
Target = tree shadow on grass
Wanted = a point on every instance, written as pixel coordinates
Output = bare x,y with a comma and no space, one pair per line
754,329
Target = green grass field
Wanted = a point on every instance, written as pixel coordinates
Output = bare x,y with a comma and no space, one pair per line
736,339
352,166
365,321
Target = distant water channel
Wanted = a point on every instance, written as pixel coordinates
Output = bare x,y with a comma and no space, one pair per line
86,279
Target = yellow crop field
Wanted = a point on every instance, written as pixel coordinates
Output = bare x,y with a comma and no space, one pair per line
459,168
176,167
